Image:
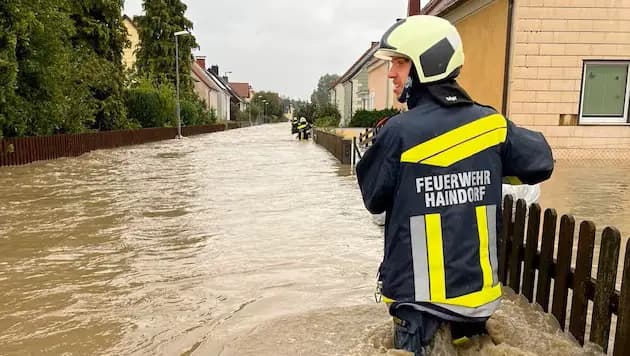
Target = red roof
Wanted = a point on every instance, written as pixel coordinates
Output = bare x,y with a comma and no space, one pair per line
242,89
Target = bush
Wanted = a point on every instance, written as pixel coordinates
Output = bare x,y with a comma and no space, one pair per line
149,106
327,121
192,113
365,118
327,116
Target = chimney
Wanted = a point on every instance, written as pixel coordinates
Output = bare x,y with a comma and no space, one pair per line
225,78
215,69
414,7
201,61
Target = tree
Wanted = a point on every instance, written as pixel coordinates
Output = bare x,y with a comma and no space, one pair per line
98,44
35,59
156,55
320,95
306,110
273,107
9,21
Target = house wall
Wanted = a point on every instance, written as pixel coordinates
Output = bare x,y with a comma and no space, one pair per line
347,103
340,102
379,85
482,24
551,39
202,91
360,90
129,55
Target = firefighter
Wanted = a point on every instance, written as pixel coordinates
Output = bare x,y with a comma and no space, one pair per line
437,170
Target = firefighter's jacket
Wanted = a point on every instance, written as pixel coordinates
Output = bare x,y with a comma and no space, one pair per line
437,172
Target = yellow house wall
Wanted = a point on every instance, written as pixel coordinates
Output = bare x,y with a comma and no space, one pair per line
551,39
129,56
484,35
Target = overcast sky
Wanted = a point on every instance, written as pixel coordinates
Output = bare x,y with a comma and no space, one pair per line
285,45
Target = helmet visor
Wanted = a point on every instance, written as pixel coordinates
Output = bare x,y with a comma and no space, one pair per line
388,54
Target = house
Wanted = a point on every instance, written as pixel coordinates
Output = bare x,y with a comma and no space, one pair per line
559,67
211,89
235,99
129,52
351,91
244,91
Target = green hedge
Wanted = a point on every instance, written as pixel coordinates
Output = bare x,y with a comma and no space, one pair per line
365,118
150,107
327,116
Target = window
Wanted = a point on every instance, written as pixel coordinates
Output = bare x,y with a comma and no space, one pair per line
605,93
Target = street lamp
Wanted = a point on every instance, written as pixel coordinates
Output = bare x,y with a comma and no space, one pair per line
264,110
179,119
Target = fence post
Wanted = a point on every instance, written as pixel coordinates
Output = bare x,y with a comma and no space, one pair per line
531,247
605,287
504,239
517,242
354,157
546,259
582,276
563,268
622,335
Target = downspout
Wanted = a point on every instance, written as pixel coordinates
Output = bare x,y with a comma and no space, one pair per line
351,100
508,52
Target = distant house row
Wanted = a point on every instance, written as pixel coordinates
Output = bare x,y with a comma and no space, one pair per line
364,86
558,66
213,89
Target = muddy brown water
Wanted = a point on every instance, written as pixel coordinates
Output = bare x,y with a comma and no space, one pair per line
244,242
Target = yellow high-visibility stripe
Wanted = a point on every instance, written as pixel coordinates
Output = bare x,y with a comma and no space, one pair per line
484,248
423,152
435,252
467,149
476,299
512,180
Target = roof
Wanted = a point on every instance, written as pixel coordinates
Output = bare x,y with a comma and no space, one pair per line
242,89
226,85
204,77
213,81
358,64
438,7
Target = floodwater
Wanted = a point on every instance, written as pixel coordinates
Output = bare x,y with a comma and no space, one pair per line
244,242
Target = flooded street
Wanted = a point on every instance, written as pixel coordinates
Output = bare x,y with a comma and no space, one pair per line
245,242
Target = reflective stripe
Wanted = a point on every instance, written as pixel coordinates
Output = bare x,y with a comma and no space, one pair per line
512,180
482,311
491,212
419,251
467,149
459,143
437,280
476,299
484,250
428,253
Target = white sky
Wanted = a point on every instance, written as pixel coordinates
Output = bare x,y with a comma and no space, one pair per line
285,45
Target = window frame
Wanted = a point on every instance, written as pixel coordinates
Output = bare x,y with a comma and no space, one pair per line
622,120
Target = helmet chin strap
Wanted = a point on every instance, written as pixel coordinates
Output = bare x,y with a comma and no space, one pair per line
404,95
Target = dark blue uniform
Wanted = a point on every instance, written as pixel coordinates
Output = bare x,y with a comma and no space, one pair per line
437,172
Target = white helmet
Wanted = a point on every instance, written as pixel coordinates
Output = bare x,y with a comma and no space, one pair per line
431,43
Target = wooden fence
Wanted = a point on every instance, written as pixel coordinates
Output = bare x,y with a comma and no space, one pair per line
23,150
529,270
340,147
